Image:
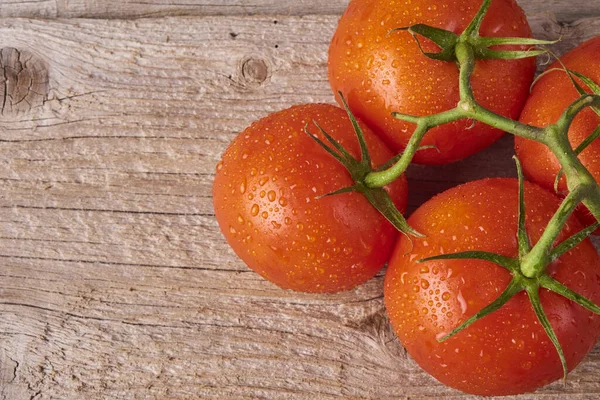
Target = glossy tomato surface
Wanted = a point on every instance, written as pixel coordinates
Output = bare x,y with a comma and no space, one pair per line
266,199
380,73
508,351
550,96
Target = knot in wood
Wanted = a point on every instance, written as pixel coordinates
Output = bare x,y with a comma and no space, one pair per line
23,81
254,71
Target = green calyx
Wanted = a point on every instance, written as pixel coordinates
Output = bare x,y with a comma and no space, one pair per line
528,269
483,47
359,169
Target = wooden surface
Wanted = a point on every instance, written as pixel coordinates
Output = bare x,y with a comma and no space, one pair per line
115,282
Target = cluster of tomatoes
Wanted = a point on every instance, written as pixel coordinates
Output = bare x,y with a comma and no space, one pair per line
271,185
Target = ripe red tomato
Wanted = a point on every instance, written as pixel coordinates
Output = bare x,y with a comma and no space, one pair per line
508,351
265,199
550,96
380,73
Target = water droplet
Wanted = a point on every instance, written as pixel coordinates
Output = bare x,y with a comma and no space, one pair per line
265,215
219,165
240,219
263,180
424,269
243,186
271,195
424,283
262,194
462,302
275,224
347,250
283,201
311,239
445,296
300,226
254,210
232,230
416,289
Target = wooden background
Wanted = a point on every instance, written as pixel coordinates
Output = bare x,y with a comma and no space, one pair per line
115,282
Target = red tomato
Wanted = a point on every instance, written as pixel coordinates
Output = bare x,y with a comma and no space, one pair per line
550,96
508,351
265,199
380,73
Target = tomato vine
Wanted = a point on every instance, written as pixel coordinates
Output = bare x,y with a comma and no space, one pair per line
529,268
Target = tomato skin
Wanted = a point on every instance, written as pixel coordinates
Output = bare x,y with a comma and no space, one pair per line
265,200
380,73
506,352
550,96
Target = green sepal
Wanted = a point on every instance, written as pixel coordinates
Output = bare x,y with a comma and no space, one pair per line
557,287
342,154
347,189
508,263
364,150
509,41
572,241
446,40
522,237
381,200
487,54
473,29
511,290
534,297
378,197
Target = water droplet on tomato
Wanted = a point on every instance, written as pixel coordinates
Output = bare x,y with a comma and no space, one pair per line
276,224
445,296
462,302
271,195
243,186
300,226
240,219
232,230
424,270
283,201
254,210
265,215
219,166
424,283
263,180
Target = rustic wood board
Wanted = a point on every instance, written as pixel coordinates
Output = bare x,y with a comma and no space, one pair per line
120,9
115,281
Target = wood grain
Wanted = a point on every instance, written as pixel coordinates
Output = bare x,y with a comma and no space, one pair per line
115,281
121,9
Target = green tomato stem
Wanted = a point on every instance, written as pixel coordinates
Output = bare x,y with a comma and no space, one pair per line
381,178
535,262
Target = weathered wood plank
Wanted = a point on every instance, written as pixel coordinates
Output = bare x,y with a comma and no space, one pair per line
114,279
120,9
